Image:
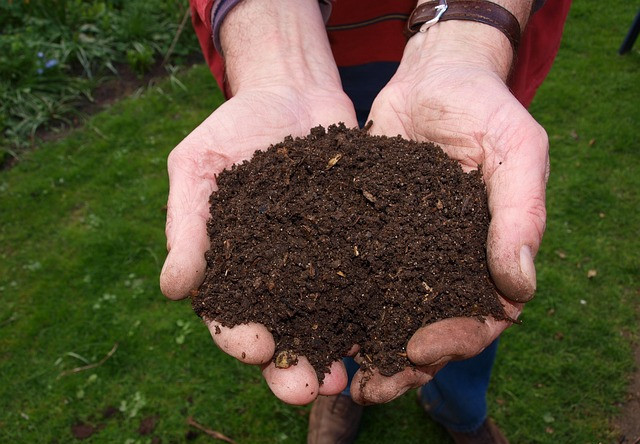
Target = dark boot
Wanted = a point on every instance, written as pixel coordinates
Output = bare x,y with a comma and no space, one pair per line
334,420
487,433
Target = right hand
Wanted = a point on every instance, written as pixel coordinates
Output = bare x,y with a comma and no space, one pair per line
252,120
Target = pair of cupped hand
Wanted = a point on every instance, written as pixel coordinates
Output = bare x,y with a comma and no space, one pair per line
470,113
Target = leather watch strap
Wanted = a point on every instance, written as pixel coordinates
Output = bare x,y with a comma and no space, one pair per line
482,11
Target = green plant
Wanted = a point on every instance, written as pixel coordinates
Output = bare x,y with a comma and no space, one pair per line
140,57
54,52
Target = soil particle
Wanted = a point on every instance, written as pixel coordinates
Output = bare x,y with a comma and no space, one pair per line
82,430
109,412
627,424
147,425
343,238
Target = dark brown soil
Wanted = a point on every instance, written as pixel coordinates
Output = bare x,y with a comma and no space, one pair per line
627,424
109,412
82,430
343,238
147,425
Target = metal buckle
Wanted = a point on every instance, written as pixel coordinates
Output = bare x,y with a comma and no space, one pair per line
440,9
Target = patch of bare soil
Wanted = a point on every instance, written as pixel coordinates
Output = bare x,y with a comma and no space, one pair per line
147,425
628,423
83,430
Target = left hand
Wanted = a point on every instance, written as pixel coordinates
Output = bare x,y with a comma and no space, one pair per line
461,103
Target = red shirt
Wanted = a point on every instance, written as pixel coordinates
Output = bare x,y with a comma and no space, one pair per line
355,24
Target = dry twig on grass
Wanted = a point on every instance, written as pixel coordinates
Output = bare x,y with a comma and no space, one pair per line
90,366
211,433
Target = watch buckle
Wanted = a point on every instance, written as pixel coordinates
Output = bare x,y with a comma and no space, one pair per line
440,9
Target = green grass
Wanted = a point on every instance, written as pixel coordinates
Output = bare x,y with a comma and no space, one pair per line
82,242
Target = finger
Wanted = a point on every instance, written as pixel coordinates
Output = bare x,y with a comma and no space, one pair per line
186,230
373,388
516,191
191,182
250,343
253,344
335,380
185,265
457,338
442,341
297,385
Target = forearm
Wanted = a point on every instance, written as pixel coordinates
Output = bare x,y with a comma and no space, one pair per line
277,42
468,42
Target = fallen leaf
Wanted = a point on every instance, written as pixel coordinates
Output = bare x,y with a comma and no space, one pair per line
602,215
592,273
592,142
548,418
561,254
574,134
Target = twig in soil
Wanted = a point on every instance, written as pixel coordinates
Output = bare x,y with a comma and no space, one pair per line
519,322
211,433
90,366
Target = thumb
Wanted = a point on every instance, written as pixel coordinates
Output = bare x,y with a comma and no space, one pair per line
186,229
516,191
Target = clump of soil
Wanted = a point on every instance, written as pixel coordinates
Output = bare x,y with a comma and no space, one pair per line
343,238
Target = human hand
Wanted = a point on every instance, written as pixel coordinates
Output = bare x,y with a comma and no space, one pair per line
280,88
457,98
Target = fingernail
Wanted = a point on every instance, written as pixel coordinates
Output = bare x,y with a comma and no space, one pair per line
526,265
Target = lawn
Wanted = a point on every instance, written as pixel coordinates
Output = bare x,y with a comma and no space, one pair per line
82,243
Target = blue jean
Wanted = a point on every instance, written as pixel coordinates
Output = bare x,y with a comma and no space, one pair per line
456,396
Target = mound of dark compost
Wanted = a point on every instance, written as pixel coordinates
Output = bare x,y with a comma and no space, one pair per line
343,238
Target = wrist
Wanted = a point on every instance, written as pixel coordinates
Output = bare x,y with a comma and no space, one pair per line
478,33
463,44
270,43
521,9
